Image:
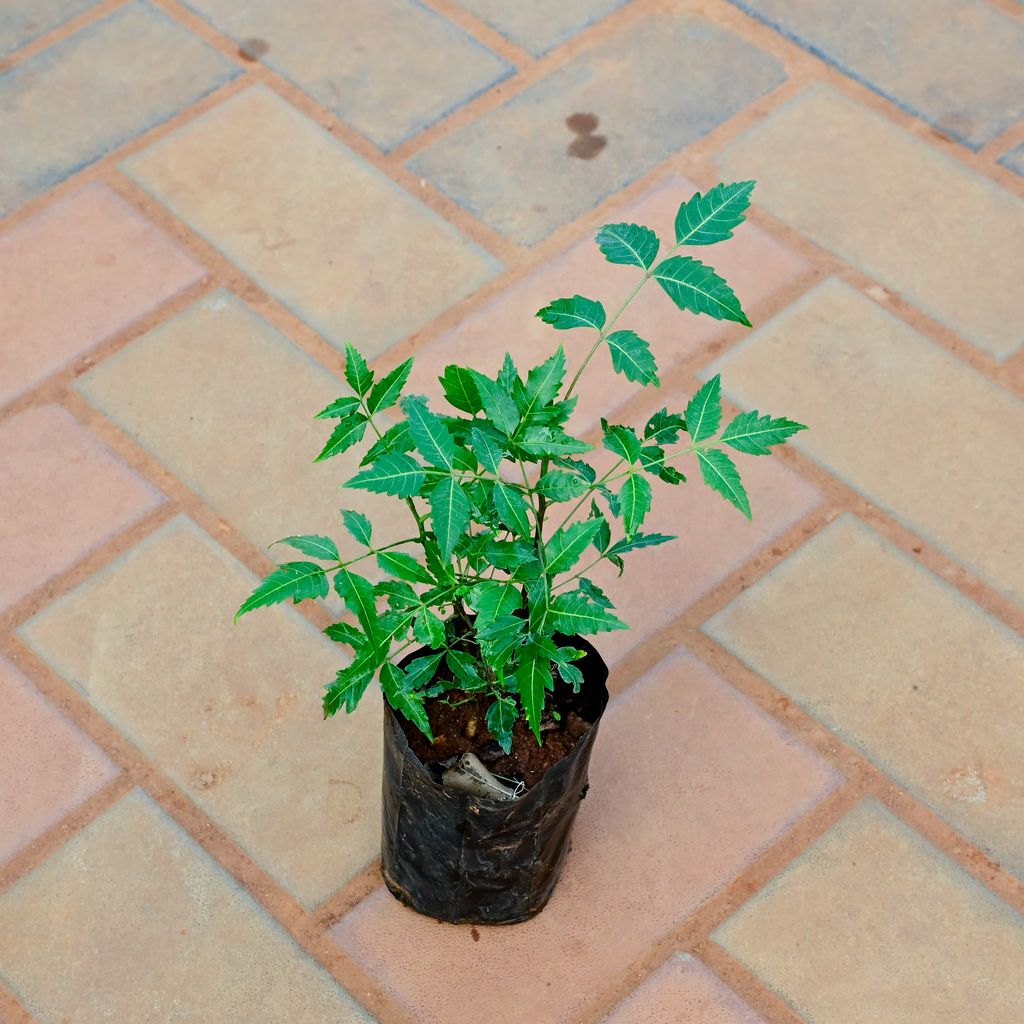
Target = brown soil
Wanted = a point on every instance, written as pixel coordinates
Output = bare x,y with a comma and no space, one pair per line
459,727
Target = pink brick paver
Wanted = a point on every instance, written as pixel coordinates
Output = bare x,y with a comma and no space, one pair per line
47,767
63,494
75,274
675,809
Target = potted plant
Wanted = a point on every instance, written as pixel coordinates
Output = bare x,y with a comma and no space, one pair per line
493,696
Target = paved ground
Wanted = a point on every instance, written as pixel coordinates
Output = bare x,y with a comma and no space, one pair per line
808,797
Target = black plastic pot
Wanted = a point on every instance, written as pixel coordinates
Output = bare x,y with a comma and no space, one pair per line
469,860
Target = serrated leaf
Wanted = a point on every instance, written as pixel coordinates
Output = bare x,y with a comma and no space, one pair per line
357,593
313,545
295,580
432,438
720,474
403,567
405,702
636,502
420,671
571,675
512,508
358,525
357,372
489,454
629,244
345,633
493,599
396,474
429,629
338,408
574,615
395,439
400,596
756,435
632,357
501,718
464,669
622,441
664,427
704,410
533,679
566,545
704,220
603,536
590,589
501,409
450,510
508,376
693,286
347,433
558,485
543,382
546,442
500,639
538,594
386,391
639,540
460,389
565,314
348,686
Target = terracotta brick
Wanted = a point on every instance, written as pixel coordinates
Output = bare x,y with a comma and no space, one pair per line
873,924
914,429
513,167
25,20
538,26
755,264
683,990
227,402
337,242
230,713
108,83
958,64
908,195
75,274
903,667
360,59
1014,159
689,782
146,926
47,767
64,493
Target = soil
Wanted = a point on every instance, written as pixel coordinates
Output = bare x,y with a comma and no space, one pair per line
458,722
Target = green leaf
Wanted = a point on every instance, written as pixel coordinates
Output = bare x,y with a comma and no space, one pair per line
395,439
431,436
574,615
429,629
345,633
403,567
664,427
564,314
558,485
501,719
349,686
358,525
632,357
704,220
385,393
498,404
755,435
338,408
357,373
347,433
489,454
590,589
492,599
450,508
638,540
704,411
720,474
357,593
622,441
314,545
636,502
566,545
629,244
512,508
543,382
508,376
693,286
406,703
547,442
533,678
460,389
295,580
397,474
464,669
420,671
500,639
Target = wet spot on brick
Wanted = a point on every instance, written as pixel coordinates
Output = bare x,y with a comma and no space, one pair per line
582,124
253,48
587,145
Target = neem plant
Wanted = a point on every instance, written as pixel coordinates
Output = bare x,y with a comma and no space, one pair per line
507,515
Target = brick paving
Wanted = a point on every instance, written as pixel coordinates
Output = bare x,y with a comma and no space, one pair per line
808,796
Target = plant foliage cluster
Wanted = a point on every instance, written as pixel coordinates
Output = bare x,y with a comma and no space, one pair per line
507,514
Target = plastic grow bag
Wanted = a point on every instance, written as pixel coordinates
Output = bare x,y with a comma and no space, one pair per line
467,859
